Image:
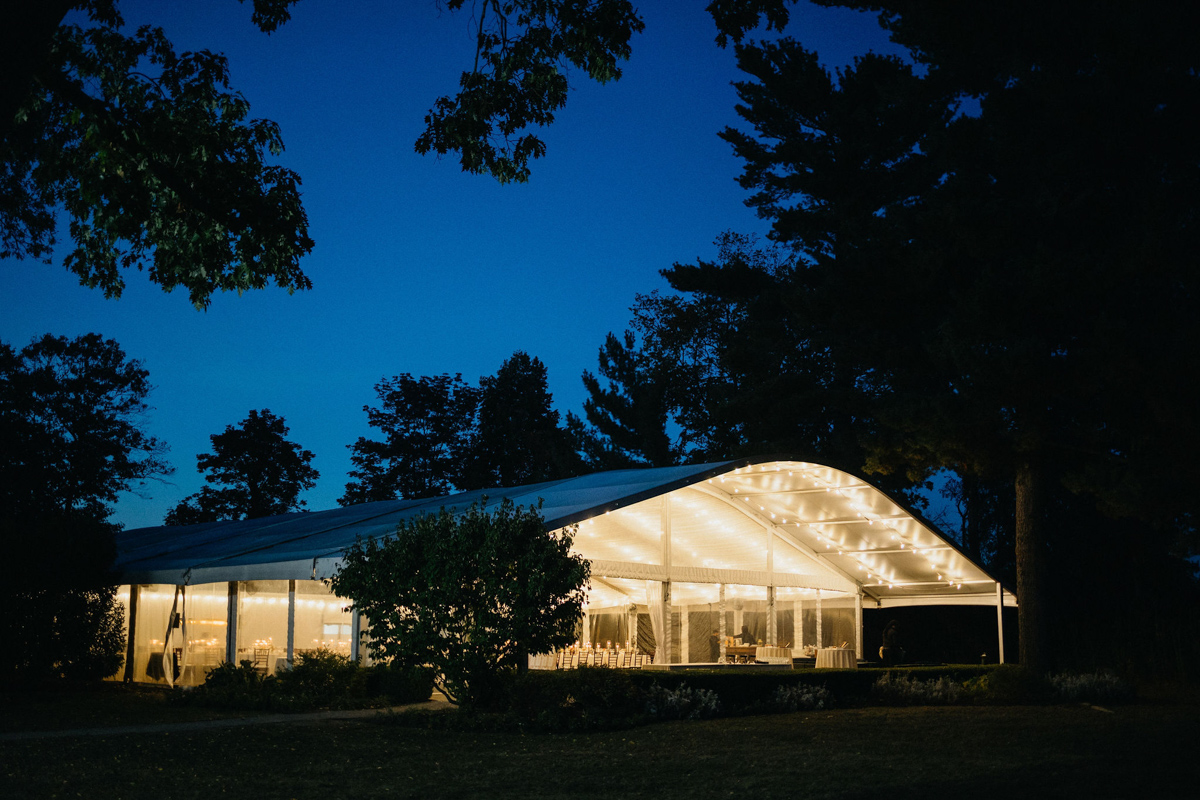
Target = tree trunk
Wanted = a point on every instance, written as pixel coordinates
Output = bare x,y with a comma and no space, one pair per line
1031,568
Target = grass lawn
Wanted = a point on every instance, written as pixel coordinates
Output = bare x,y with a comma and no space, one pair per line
102,706
1146,749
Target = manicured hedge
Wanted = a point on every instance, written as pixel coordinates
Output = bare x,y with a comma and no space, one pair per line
749,691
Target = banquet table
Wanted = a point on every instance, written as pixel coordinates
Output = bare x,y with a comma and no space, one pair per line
836,658
738,652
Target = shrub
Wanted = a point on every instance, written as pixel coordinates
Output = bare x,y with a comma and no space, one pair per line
321,679
682,702
801,697
400,685
232,686
588,698
1009,684
1101,686
902,690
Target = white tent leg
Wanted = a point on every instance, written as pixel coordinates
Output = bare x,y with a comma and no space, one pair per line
355,632
685,651
1000,618
798,627
858,634
668,625
820,634
291,633
771,621
721,658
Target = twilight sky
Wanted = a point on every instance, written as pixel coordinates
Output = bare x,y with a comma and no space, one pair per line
419,267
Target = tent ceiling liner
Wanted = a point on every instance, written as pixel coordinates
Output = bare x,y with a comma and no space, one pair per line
749,524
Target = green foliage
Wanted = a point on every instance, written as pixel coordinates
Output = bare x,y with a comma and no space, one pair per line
518,439
77,634
71,439
426,424
897,689
71,430
629,415
588,698
441,434
682,702
154,162
1009,684
470,594
524,50
1101,686
255,470
990,281
801,697
322,679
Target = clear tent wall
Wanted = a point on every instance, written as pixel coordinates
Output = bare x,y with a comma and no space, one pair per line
178,634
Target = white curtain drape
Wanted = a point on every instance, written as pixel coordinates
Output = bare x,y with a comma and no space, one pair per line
658,619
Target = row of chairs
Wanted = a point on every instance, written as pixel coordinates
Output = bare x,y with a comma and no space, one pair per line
616,659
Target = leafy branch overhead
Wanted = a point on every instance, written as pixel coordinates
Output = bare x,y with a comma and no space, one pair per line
524,50
154,161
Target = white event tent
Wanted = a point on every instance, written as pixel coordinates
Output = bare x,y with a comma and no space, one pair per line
789,551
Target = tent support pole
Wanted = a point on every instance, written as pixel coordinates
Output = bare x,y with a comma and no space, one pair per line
131,642
721,658
798,626
291,633
668,624
1000,618
685,634
231,614
820,612
858,632
771,621
664,647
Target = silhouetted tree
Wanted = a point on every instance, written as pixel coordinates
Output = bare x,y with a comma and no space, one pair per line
727,369
629,414
254,471
151,158
998,244
426,423
148,154
517,439
71,440
444,435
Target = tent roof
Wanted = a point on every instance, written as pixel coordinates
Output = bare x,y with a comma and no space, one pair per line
834,530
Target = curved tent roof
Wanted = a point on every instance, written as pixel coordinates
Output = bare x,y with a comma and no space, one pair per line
778,521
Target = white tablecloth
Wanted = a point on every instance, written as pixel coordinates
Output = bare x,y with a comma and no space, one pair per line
836,658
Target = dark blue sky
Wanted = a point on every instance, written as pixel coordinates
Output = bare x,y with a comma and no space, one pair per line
418,267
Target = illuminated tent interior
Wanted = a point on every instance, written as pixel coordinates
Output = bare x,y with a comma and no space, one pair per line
787,551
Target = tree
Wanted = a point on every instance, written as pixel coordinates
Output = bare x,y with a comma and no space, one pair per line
517,439
253,471
444,435
471,594
998,275
151,158
730,366
426,423
71,440
630,413
149,155
523,54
